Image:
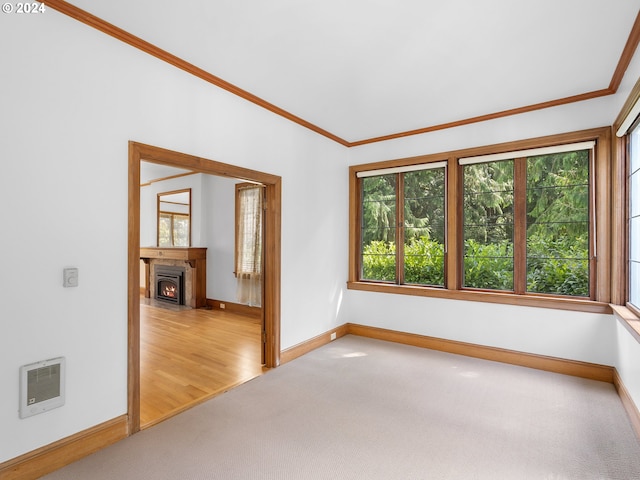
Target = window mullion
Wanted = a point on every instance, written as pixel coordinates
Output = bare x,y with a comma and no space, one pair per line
454,214
593,227
400,228
520,225
172,230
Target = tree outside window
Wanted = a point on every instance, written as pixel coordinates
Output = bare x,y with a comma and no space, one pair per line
549,232
520,222
403,227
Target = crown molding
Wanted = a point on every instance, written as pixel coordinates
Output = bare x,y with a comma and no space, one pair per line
126,37
137,42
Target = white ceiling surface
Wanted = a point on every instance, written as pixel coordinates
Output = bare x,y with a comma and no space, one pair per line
366,68
154,171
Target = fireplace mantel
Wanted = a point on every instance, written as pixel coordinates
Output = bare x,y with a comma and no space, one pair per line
196,257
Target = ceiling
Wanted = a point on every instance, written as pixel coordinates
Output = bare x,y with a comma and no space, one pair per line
156,172
362,69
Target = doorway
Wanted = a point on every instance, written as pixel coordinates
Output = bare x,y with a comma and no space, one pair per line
271,295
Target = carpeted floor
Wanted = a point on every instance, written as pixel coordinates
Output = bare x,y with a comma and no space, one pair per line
366,409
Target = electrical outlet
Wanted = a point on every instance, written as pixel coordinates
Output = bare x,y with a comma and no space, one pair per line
333,336
222,306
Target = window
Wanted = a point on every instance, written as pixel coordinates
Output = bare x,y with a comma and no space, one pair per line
174,218
634,217
538,245
403,226
494,223
488,225
248,245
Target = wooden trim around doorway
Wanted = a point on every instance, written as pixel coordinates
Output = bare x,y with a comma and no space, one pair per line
272,254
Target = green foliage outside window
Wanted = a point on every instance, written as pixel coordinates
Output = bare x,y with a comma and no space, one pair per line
490,266
556,223
558,266
422,201
379,261
488,225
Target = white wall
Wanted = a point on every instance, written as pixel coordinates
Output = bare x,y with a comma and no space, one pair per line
70,101
627,360
219,197
564,334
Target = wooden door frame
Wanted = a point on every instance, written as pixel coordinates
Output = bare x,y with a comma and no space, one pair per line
272,242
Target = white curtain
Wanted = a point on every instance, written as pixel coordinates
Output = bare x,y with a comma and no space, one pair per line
249,245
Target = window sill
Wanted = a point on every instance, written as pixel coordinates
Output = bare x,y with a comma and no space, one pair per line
629,319
489,297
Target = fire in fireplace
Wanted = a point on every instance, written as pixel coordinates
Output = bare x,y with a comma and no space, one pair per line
169,281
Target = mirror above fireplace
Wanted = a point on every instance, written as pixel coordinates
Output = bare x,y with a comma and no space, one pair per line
174,218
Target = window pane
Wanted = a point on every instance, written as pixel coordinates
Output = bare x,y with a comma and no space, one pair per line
634,218
180,231
424,233
634,194
634,261
488,225
378,230
634,274
634,239
561,276
558,224
249,231
488,266
634,161
164,230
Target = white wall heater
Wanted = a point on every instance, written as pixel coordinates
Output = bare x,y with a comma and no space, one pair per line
41,386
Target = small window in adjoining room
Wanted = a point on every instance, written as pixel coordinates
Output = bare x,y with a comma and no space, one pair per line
633,185
403,226
174,218
248,243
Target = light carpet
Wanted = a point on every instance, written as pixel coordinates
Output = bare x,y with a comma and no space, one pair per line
359,408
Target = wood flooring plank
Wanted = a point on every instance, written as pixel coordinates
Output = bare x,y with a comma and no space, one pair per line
188,356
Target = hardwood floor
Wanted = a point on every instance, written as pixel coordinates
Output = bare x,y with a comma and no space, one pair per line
190,355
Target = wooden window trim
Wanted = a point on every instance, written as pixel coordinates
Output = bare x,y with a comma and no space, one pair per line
601,184
236,248
160,211
630,318
519,228
629,315
400,229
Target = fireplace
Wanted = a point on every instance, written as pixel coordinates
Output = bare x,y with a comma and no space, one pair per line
194,262
169,283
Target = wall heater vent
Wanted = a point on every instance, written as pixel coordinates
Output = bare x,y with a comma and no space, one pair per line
41,386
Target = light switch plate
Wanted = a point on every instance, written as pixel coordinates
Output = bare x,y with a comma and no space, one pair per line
70,277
